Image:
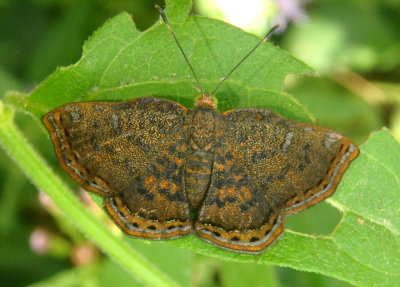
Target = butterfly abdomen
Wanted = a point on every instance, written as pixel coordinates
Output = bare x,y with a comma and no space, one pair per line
197,177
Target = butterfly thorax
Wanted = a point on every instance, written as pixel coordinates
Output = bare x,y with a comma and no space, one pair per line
198,168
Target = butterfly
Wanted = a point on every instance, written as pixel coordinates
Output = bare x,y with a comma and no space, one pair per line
166,171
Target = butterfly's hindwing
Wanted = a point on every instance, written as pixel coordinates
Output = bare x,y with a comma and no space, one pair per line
235,214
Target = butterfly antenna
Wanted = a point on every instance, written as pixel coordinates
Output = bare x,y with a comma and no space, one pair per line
266,37
164,17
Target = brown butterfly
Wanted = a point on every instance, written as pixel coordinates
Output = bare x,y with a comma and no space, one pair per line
166,171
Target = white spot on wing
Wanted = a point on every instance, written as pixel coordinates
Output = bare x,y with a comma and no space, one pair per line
288,141
331,138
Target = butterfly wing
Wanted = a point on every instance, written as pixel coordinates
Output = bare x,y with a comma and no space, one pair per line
287,166
235,214
131,152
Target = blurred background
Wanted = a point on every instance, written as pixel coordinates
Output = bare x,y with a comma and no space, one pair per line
353,45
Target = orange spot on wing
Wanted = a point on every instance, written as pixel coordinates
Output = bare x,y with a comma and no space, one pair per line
149,180
164,184
173,188
238,177
219,167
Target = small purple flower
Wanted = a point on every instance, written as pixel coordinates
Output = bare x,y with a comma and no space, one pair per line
290,11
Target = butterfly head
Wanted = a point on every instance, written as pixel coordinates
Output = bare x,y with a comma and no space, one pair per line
206,100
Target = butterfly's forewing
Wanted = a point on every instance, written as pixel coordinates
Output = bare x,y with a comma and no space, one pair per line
131,152
292,165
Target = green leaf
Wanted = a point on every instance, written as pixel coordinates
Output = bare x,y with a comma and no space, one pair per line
177,10
120,63
246,274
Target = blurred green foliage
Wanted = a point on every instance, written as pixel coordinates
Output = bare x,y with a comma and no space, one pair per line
353,45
